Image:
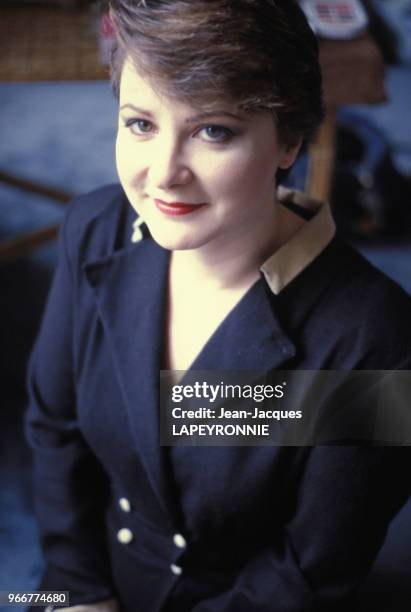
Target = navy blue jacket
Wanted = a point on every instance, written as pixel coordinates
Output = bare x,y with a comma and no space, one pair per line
289,529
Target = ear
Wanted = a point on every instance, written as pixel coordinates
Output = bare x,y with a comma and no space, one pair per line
289,154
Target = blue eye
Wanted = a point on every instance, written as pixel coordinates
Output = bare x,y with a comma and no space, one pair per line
216,133
139,126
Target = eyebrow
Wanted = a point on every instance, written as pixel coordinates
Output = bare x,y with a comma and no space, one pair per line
190,120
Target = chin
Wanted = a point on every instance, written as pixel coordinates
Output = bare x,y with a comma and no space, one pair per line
174,240
168,239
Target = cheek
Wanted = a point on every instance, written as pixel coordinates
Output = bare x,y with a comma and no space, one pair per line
131,176
126,160
121,157
241,173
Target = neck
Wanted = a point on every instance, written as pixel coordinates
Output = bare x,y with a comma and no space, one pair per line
235,262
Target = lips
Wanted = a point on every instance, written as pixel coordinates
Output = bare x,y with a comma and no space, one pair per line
176,209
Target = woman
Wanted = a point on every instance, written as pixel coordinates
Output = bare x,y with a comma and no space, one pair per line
224,272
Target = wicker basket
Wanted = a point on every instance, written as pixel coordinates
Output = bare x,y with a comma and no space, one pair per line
44,43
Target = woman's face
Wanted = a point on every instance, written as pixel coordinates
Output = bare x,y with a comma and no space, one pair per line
197,180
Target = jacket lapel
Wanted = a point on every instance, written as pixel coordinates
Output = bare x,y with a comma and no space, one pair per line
130,289
250,338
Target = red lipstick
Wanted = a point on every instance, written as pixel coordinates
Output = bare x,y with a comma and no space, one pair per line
176,209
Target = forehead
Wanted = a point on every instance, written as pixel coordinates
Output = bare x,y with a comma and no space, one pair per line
137,86
135,83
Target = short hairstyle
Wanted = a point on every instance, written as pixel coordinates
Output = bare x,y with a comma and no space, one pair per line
260,54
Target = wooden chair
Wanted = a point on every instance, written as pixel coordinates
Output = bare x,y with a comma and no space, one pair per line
353,73
52,41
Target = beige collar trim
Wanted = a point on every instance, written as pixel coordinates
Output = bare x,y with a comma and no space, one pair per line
291,259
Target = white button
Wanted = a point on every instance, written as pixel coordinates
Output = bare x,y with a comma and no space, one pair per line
179,540
176,569
124,536
124,504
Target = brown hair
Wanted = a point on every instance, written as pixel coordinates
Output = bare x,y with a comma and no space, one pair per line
261,54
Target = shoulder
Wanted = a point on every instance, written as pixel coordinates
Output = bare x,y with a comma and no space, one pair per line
362,288
372,311
347,314
98,223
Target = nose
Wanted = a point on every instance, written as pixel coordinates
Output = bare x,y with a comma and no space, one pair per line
168,167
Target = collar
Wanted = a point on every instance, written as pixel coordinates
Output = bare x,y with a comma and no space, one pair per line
292,257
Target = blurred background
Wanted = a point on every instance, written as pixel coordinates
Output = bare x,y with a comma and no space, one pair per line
57,126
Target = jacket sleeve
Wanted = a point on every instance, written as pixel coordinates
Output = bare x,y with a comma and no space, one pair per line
69,482
347,497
